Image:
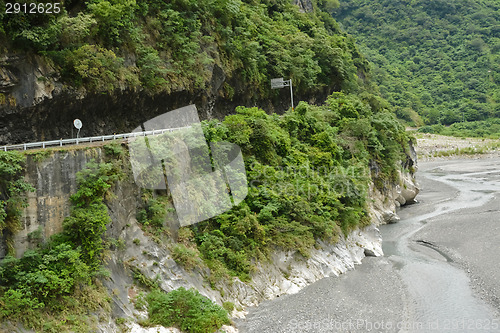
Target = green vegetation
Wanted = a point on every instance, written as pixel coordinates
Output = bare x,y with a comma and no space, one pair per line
12,193
39,155
51,288
114,150
105,45
185,309
186,256
435,61
485,128
154,210
308,174
89,216
228,306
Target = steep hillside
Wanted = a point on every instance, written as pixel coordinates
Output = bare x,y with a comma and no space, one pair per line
436,61
88,243
116,63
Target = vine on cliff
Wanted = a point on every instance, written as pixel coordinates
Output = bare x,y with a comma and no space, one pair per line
12,193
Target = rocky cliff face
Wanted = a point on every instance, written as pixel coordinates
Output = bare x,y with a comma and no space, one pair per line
287,272
385,202
54,178
305,6
35,105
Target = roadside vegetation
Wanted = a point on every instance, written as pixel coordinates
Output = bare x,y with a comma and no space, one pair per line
308,174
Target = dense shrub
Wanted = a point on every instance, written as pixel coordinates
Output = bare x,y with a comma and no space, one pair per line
173,45
308,177
185,309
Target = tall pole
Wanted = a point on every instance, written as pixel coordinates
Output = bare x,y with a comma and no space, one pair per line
291,93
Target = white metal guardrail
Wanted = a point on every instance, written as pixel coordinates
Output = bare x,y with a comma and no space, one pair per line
62,142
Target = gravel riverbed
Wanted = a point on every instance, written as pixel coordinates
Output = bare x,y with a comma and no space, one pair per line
440,272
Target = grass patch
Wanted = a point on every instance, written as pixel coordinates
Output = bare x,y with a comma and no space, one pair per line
228,306
463,151
39,154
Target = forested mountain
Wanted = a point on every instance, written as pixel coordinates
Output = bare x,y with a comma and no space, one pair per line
436,61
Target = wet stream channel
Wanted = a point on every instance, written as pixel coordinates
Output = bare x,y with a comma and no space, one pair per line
439,290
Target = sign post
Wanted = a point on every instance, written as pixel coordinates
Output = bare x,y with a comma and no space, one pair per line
78,125
280,83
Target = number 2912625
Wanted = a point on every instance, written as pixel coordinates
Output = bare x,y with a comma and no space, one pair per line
32,8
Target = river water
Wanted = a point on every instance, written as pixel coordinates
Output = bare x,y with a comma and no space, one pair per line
440,271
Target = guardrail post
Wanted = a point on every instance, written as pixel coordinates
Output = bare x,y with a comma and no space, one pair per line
43,144
24,146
